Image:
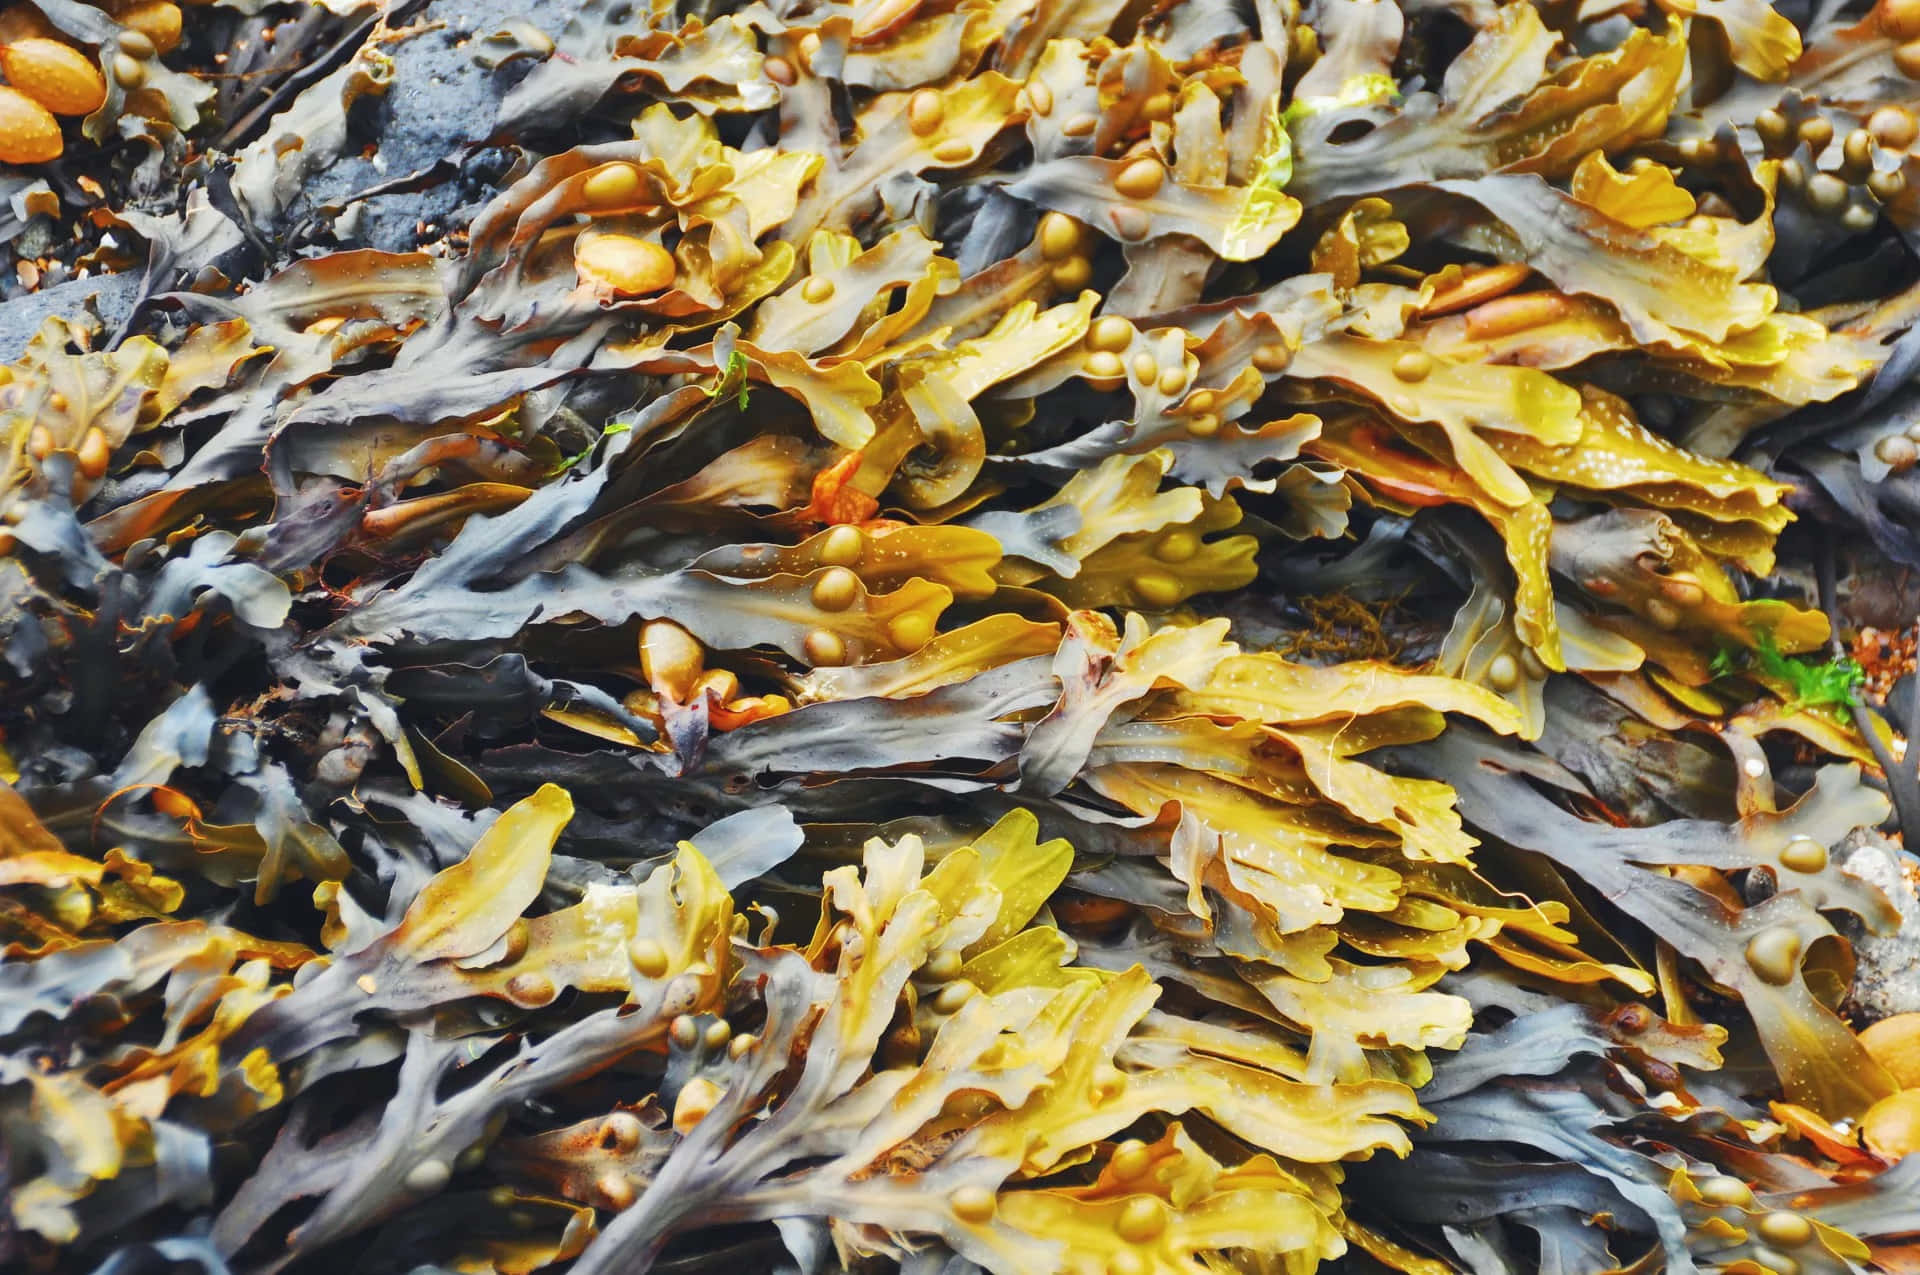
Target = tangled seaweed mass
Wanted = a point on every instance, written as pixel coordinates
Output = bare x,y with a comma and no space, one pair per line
1005,635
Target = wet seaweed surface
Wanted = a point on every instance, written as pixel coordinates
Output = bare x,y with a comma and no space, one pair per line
959,635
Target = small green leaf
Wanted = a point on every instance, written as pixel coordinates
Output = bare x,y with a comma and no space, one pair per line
733,380
612,428
1828,683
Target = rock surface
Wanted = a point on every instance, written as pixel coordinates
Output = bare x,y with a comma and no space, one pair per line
441,105
112,295
1887,980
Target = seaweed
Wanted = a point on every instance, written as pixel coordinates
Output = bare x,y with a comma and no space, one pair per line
945,637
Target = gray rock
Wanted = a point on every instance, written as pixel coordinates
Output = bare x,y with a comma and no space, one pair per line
21,317
1887,975
432,124
441,103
